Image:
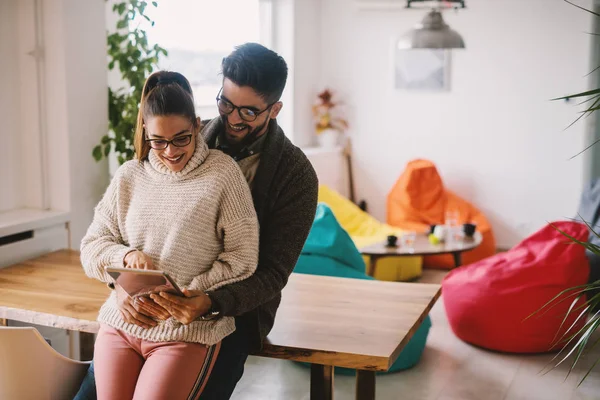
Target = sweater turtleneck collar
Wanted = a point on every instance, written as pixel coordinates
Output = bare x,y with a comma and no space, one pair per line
156,166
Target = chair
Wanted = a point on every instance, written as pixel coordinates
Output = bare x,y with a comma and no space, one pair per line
419,199
31,369
365,230
488,302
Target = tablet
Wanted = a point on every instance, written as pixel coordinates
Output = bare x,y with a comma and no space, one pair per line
143,282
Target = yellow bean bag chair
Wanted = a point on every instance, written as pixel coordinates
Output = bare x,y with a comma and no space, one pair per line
365,230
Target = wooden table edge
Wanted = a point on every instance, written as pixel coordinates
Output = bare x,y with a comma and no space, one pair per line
304,355
51,320
413,330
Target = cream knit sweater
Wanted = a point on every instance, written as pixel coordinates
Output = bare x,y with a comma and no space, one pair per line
198,225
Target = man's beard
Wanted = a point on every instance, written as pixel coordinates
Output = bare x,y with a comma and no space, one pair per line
246,140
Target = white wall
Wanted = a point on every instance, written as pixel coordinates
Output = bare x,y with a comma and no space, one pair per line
73,93
9,108
307,67
32,184
496,138
87,104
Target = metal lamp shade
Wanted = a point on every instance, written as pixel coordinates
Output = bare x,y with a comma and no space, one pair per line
432,33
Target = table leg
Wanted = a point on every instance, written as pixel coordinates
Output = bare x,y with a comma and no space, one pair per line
3,322
372,265
365,385
86,346
457,259
321,382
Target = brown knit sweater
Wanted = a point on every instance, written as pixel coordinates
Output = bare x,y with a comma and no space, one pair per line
285,192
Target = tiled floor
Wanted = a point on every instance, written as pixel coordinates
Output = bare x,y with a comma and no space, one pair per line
449,370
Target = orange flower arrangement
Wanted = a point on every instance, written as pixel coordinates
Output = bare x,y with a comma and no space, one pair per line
325,112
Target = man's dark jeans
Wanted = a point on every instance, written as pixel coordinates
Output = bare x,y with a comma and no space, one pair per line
226,373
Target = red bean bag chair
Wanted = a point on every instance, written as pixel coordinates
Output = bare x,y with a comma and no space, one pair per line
419,199
487,303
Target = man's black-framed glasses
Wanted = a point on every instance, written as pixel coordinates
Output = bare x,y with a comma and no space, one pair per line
245,113
161,144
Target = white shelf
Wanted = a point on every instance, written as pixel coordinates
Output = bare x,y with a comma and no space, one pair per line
398,5
316,151
26,219
380,5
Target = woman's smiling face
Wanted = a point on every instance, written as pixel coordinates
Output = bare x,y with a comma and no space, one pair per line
175,132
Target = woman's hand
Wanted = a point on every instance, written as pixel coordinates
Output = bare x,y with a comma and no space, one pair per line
184,309
139,311
138,260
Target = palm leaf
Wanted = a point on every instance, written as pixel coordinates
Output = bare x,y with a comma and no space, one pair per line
571,307
581,348
582,8
549,304
588,225
585,149
588,330
594,70
576,343
588,100
585,330
586,112
582,94
590,246
593,366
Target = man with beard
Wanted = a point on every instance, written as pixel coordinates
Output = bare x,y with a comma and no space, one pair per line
284,189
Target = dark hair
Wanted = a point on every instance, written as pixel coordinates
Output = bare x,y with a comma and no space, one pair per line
253,65
164,93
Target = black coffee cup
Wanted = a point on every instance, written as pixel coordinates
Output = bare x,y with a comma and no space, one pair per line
392,240
469,229
431,229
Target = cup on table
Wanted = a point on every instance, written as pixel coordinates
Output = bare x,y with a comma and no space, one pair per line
454,230
408,239
469,230
392,241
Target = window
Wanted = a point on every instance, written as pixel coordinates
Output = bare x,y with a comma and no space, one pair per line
199,33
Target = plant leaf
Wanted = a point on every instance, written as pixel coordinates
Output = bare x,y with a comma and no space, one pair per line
97,153
582,8
593,366
582,94
596,141
594,70
573,304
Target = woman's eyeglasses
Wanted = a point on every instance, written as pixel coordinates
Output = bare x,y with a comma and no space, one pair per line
245,113
161,144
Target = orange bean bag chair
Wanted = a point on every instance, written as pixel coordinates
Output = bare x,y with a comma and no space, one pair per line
419,200
488,302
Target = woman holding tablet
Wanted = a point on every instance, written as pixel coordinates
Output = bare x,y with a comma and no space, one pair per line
182,209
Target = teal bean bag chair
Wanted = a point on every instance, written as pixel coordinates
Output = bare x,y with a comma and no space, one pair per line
329,251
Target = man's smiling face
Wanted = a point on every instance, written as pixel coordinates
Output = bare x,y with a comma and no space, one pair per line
250,104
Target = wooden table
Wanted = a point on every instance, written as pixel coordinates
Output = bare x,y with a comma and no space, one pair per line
324,321
421,247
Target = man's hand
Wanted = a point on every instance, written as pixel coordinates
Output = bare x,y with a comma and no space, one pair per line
184,309
137,312
138,260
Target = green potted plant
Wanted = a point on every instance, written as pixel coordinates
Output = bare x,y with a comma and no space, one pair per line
576,343
130,52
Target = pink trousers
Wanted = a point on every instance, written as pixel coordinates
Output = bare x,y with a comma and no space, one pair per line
130,368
